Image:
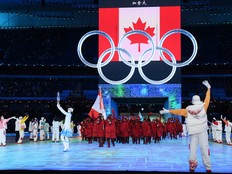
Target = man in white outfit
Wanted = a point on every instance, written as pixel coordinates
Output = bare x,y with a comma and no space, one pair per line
30,129
41,129
214,128
227,129
3,127
46,130
79,129
16,130
196,122
35,127
66,131
22,127
55,130
218,124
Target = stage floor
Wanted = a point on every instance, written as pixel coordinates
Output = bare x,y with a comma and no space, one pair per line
166,156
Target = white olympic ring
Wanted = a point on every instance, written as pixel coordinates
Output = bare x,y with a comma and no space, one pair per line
111,81
160,81
90,34
195,47
140,64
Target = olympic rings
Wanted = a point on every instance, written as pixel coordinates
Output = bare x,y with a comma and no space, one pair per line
195,47
111,81
160,81
90,34
140,64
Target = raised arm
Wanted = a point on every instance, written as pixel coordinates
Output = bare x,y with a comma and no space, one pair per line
8,119
24,119
225,121
61,109
207,97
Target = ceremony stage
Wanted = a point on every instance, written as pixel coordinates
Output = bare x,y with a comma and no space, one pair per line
168,156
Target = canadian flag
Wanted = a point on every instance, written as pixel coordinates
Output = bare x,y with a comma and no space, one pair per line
98,107
156,21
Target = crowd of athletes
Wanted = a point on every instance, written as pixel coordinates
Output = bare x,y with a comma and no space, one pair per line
125,128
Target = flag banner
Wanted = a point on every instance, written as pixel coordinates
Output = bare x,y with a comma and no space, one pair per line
156,21
140,116
98,107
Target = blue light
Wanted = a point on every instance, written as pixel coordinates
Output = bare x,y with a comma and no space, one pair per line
144,90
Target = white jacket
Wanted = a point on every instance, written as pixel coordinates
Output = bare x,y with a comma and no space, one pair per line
196,121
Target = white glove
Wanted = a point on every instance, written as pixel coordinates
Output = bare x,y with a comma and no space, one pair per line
214,118
164,111
206,83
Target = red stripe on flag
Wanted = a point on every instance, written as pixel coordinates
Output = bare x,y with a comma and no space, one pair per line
93,113
108,22
170,19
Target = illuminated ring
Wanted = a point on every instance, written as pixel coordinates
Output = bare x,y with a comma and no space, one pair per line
144,34
112,50
159,81
195,47
112,81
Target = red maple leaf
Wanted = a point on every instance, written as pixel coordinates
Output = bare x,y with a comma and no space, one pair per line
139,38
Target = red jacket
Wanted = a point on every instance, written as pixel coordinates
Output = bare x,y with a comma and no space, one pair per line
110,128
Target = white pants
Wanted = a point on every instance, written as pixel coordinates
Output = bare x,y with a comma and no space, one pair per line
228,140
41,135
31,135
200,139
214,135
21,136
56,135
2,137
65,141
79,132
219,136
35,135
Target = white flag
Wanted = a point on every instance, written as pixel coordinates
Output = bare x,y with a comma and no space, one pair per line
98,107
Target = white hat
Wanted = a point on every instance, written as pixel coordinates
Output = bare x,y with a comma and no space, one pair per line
196,100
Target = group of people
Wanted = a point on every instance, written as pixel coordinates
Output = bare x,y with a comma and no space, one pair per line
216,130
196,123
113,129
38,129
119,130
19,128
41,129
